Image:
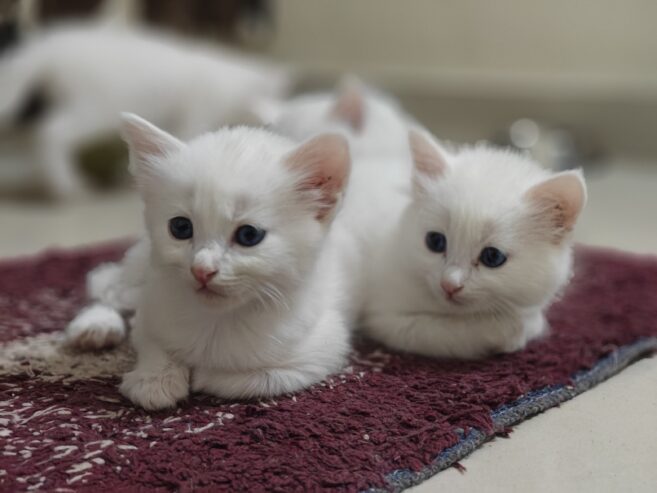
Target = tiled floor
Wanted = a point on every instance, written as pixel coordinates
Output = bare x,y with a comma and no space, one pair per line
604,440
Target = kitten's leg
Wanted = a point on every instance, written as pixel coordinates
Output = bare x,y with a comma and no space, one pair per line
59,135
157,382
323,352
252,384
534,326
55,156
449,337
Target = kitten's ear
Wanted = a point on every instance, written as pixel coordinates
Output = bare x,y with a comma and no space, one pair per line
324,162
560,199
146,142
350,104
429,161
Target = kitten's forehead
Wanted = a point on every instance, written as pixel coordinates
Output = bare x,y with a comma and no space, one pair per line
242,149
236,162
223,175
489,179
481,197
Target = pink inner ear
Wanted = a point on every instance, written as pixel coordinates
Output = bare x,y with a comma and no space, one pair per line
428,160
562,197
350,106
326,162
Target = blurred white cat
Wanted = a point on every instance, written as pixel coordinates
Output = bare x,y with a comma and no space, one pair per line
242,291
482,247
88,72
374,123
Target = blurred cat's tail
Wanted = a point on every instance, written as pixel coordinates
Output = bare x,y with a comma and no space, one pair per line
21,74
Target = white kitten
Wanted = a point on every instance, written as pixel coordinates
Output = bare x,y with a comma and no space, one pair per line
242,291
374,123
374,179
89,72
481,249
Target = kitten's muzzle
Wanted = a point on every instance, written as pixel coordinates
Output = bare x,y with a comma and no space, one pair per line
450,288
203,275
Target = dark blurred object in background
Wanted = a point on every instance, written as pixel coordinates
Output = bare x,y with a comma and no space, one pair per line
224,19
9,29
8,34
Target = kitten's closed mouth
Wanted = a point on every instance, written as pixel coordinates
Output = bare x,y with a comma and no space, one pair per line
210,292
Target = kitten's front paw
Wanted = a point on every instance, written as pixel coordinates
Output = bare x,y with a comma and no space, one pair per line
96,327
533,327
251,384
154,391
511,346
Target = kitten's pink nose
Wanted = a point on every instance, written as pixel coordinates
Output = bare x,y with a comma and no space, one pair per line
450,288
203,274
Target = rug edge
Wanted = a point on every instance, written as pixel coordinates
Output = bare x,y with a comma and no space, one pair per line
529,405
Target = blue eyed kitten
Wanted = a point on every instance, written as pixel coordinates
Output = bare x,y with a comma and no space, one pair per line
482,247
236,286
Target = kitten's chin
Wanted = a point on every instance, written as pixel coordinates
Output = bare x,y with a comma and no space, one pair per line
453,307
221,300
214,297
473,308
210,294
461,306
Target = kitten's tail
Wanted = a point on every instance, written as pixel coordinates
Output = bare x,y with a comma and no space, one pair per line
101,324
114,289
21,72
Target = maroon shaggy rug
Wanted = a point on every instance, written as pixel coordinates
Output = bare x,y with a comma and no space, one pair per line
387,422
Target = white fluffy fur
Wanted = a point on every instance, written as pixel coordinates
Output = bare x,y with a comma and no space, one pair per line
283,323
92,71
273,321
114,289
96,327
118,285
377,129
477,197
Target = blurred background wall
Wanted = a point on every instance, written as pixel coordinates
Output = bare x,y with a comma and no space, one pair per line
578,76
468,68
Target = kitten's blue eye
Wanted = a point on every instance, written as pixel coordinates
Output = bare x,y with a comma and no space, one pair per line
181,228
492,257
249,236
436,242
